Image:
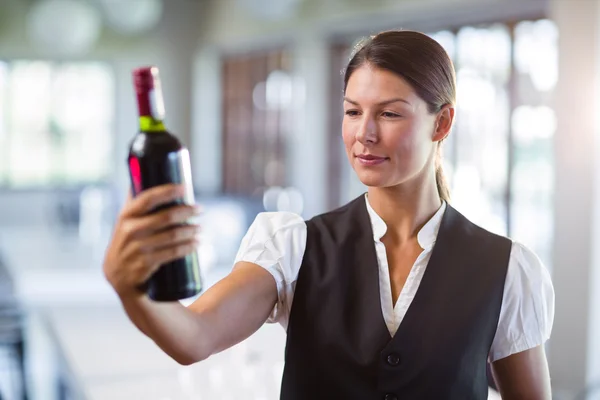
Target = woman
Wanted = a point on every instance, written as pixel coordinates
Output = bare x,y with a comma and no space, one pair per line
395,295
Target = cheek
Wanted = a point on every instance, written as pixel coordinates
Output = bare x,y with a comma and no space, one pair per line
347,134
409,145
402,139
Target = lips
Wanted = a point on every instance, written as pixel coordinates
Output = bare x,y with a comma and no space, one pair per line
370,159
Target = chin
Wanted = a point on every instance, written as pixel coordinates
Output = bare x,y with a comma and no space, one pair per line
373,179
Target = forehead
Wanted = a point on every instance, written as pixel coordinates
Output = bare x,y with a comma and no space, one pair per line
368,83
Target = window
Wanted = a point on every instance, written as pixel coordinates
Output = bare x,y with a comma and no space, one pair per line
477,151
499,157
257,92
533,123
56,123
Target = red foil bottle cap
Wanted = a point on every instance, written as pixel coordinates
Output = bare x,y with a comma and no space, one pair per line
143,78
147,87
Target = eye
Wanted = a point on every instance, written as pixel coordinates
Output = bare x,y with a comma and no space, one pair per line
352,113
388,114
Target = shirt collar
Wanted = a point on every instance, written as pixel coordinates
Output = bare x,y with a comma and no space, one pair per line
426,236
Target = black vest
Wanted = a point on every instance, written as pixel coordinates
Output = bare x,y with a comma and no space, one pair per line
338,346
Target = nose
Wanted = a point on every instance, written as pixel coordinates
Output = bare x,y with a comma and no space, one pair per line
367,132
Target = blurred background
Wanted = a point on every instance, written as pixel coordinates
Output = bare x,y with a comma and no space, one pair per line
253,88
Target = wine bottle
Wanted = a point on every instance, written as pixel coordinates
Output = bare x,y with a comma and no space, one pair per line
157,157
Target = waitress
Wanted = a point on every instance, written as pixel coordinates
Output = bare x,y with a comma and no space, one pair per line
395,295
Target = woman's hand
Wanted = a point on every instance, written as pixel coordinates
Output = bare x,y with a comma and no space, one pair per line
142,242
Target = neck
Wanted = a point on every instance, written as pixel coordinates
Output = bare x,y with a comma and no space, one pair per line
406,208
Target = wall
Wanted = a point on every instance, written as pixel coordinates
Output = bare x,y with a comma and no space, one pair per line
575,349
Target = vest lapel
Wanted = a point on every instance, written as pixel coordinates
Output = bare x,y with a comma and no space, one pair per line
368,267
446,248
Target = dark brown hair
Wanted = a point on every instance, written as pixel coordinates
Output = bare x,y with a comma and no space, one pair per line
423,63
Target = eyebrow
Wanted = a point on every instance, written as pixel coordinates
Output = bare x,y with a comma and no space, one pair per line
381,103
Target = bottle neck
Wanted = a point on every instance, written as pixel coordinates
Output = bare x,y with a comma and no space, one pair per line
150,100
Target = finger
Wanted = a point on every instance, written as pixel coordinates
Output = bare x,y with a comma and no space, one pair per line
141,265
149,199
170,237
172,253
150,224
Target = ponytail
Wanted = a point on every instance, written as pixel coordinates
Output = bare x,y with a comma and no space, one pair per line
440,177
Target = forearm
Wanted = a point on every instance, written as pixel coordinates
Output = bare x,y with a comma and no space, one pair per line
178,331
227,313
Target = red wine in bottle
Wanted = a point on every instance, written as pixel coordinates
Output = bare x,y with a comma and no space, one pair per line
157,157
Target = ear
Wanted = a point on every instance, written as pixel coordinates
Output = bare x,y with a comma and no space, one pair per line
443,123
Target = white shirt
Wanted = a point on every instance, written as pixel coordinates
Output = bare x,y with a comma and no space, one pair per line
276,241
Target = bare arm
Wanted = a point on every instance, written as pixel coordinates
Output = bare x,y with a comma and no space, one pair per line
234,308
523,376
227,313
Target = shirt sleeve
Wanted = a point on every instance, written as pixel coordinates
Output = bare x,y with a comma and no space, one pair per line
527,311
276,241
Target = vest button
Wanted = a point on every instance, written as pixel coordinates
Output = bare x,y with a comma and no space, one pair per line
393,359
390,396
